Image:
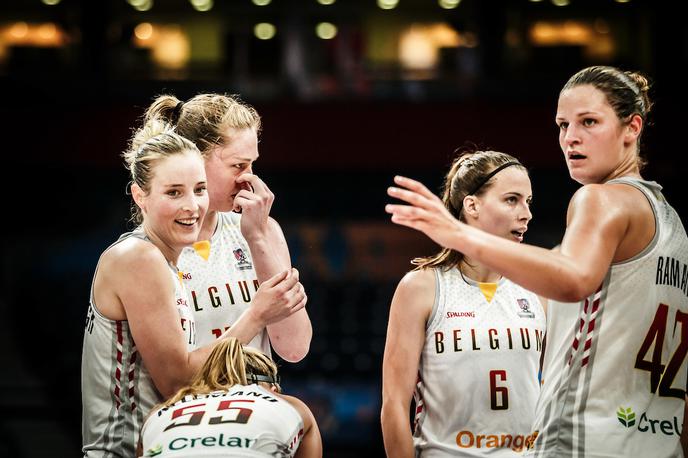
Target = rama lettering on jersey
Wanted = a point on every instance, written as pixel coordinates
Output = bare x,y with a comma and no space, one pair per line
672,272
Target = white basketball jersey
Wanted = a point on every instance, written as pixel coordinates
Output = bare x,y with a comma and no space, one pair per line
221,280
614,374
478,373
242,421
117,391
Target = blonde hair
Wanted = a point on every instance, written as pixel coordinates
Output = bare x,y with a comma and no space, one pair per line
154,141
205,118
466,176
229,364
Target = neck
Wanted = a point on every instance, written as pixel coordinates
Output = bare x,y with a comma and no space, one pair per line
627,168
478,272
171,253
209,225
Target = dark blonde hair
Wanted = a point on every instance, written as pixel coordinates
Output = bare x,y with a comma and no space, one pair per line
205,118
154,141
626,92
228,365
466,177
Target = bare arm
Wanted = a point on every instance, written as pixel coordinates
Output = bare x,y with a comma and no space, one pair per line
291,336
311,442
155,322
408,314
597,223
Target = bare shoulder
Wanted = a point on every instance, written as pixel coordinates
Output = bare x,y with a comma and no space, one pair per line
132,257
603,203
415,293
300,407
422,280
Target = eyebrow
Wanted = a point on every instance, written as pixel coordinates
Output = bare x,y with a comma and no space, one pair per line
516,194
245,159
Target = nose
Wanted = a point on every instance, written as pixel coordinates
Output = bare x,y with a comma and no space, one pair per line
571,135
526,214
191,204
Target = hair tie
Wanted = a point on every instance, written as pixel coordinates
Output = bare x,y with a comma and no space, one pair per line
491,174
176,113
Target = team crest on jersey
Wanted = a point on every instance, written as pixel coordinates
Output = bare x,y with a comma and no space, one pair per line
525,309
242,262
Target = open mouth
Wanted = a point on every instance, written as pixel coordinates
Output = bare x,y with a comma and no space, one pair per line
188,222
518,235
576,156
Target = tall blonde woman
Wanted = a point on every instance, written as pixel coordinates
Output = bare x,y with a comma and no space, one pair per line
139,342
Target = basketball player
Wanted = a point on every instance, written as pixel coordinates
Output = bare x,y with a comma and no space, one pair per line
232,407
140,336
462,339
614,376
241,245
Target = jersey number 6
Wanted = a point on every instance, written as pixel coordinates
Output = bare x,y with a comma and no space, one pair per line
499,395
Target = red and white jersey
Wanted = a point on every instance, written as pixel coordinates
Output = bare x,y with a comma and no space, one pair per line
478,372
244,421
614,374
221,281
117,391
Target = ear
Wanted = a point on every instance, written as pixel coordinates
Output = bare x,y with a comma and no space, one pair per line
471,206
139,196
633,129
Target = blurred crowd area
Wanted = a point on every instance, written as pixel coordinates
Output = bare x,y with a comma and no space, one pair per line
351,92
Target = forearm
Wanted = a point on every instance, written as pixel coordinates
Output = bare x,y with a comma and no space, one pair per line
267,260
396,431
547,273
291,336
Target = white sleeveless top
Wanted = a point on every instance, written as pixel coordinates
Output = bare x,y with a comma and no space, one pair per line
614,374
478,372
244,421
117,391
221,281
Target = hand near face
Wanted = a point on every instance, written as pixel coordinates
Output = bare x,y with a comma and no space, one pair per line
425,213
254,201
279,297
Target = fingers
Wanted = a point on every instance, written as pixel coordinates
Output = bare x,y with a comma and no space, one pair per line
413,185
411,197
257,185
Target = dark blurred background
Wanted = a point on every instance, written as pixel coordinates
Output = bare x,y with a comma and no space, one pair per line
351,92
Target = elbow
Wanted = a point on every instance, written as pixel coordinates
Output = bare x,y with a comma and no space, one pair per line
168,389
168,384
291,350
577,288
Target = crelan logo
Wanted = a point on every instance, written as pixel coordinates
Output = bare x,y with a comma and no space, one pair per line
626,416
665,426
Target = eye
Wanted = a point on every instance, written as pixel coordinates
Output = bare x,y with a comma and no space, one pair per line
200,190
563,125
173,193
512,200
589,122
